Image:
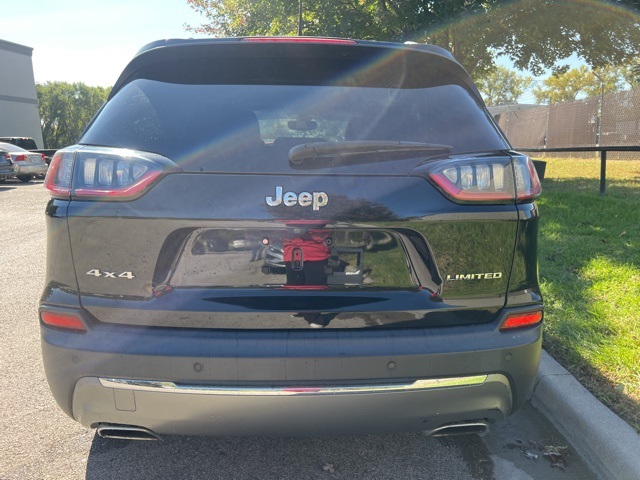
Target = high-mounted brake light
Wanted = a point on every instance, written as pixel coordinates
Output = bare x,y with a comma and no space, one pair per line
521,320
106,174
65,321
298,40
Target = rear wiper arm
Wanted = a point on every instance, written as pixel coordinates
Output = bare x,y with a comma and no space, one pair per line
336,154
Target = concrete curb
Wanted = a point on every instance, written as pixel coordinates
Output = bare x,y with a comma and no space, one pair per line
608,444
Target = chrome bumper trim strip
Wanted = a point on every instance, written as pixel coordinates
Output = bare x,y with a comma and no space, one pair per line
171,387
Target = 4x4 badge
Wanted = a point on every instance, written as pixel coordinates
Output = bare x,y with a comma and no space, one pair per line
304,199
103,273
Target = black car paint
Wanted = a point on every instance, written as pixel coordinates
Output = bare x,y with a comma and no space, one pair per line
249,333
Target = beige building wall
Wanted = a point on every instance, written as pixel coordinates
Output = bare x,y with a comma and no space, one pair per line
19,115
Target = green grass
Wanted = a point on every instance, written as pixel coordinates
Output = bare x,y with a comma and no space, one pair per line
590,277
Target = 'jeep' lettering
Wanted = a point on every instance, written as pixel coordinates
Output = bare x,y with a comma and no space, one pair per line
304,199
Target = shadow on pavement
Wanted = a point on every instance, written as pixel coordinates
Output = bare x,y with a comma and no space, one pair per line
406,456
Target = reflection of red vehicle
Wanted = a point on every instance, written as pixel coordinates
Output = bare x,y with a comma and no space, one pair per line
305,258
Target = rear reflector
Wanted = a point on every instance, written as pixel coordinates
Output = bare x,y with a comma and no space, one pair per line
521,320
66,321
298,40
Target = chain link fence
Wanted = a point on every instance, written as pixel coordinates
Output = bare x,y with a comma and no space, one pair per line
609,120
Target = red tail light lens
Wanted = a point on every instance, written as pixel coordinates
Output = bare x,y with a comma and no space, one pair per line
112,176
106,174
527,182
21,158
487,180
58,179
66,321
521,320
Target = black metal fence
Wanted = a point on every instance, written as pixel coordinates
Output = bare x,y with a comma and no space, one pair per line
603,156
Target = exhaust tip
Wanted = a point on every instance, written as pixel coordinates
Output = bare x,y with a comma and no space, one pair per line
467,428
126,432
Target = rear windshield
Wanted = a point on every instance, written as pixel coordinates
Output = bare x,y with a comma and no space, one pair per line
26,143
10,147
251,128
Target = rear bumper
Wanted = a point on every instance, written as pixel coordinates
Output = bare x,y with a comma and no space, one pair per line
195,381
31,169
7,172
201,410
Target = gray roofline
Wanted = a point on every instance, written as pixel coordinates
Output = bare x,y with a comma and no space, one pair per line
15,48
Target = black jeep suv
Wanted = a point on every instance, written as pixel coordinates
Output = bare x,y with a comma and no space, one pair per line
291,236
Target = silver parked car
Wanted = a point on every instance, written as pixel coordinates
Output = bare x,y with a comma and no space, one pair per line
7,169
26,164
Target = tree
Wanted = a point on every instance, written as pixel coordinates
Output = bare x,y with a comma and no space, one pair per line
365,19
565,87
65,109
534,34
503,86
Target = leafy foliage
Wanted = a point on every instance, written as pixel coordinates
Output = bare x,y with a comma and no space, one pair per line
534,34
365,19
565,87
65,109
544,33
503,86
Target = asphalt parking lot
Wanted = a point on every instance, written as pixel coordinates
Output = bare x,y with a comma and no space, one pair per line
37,441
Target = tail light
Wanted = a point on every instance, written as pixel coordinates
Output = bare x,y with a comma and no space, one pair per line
65,321
486,179
527,182
106,174
21,158
58,178
521,320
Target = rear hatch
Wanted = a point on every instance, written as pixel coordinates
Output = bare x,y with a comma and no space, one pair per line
250,185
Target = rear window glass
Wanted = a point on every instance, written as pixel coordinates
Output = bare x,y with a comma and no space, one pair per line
10,147
26,143
251,128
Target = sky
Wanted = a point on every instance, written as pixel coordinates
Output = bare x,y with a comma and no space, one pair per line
90,41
